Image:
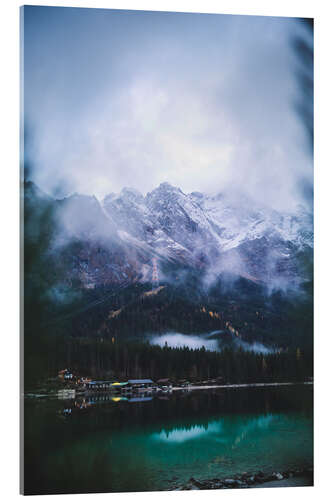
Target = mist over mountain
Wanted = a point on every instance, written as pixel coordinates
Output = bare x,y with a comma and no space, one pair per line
215,235
134,267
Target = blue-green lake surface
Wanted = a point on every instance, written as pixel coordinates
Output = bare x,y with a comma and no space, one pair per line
78,446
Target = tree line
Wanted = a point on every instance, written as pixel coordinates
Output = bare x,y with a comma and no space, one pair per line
102,359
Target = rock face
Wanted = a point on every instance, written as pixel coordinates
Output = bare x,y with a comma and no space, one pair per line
192,219
214,234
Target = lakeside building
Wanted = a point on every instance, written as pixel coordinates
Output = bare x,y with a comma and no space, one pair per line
141,384
132,385
65,374
104,385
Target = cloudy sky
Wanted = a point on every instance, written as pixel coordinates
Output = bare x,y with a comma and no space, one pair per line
127,98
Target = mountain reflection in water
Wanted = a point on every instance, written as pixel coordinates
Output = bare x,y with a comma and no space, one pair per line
184,434
216,430
151,445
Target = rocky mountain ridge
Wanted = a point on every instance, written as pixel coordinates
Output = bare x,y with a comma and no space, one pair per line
214,234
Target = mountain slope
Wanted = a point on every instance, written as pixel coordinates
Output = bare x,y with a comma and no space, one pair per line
244,272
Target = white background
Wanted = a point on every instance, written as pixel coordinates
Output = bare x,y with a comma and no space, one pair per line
9,211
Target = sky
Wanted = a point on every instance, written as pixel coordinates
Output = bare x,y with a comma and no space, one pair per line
131,98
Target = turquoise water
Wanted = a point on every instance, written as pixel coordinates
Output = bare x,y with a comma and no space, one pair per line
160,443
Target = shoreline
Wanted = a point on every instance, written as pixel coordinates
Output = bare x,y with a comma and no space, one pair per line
236,386
289,478
80,392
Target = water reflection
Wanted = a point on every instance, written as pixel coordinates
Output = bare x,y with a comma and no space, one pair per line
218,430
184,434
110,445
90,402
140,399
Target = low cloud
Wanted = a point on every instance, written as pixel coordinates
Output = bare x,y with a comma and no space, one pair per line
175,339
124,98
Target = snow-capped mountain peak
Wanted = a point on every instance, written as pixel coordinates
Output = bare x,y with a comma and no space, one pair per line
200,228
219,233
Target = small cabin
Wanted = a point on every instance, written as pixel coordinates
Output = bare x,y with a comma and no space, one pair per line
65,374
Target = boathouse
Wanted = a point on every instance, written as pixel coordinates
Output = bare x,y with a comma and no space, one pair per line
104,385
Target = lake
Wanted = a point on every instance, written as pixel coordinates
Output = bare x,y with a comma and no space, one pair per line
104,445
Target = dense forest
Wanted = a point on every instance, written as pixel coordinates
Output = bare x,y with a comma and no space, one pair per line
122,360
104,332
110,337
